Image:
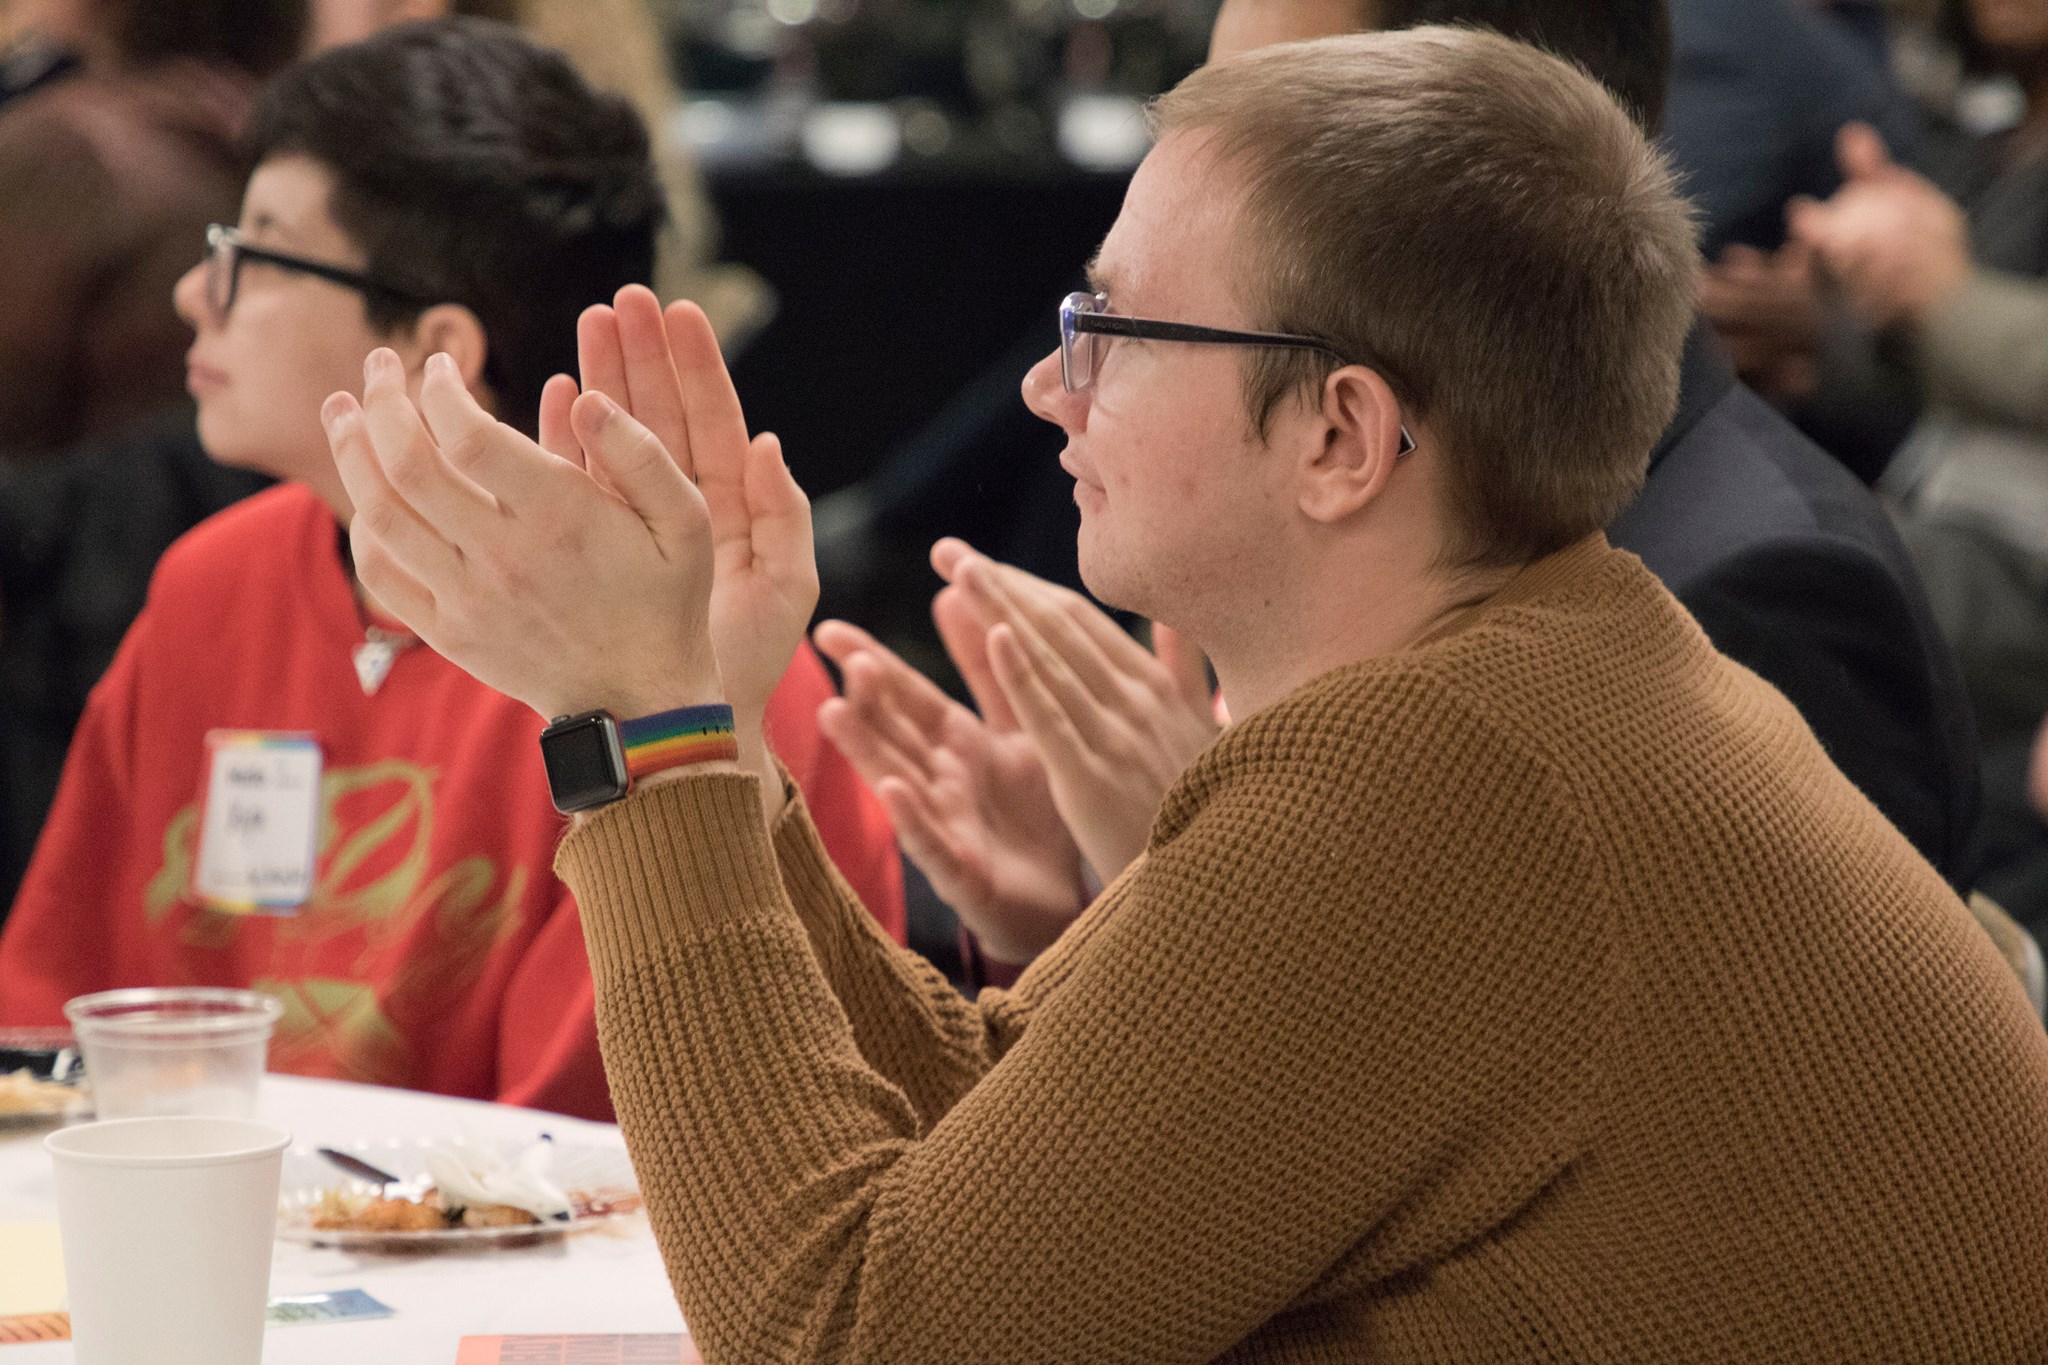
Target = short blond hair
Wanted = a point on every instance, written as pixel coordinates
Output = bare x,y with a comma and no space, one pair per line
1484,225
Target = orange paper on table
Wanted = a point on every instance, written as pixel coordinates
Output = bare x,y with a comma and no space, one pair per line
644,1349
20,1331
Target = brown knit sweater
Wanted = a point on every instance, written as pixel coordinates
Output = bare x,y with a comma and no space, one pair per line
1539,994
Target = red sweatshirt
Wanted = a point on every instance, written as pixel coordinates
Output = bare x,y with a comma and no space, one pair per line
437,950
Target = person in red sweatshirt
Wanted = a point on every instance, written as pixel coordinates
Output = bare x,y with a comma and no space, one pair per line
442,187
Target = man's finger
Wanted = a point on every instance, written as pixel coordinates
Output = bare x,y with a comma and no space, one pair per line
775,531
411,460
1060,652
948,554
503,467
1861,152
1039,712
963,629
657,394
557,436
711,407
915,739
600,357
388,583
640,469
919,697
1097,669
925,843
871,757
382,517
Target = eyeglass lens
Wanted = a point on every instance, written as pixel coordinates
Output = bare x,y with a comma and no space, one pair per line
1078,350
223,263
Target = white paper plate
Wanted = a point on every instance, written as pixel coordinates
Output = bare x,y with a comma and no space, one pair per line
598,1180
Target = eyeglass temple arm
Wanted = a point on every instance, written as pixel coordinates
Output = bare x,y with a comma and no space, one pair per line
1145,329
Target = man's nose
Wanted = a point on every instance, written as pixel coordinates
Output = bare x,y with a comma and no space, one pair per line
188,297
1045,393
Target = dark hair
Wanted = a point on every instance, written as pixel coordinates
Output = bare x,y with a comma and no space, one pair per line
1954,24
1623,44
256,36
474,167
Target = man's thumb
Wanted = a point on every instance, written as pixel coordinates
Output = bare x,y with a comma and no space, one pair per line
635,463
1861,152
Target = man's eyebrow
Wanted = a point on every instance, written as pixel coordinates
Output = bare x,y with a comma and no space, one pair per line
1100,281
268,223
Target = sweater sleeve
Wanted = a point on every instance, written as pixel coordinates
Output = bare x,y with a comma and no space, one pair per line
851,823
1986,352
907,1020
1214,1107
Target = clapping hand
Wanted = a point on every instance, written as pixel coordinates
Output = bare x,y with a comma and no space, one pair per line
665,369
1115,724
968,796
644,555
1767,308
1080,733
1898,247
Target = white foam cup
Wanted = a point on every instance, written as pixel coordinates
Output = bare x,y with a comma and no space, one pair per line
167,1226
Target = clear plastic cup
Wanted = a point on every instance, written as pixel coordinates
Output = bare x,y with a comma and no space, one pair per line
167,1226
177,1050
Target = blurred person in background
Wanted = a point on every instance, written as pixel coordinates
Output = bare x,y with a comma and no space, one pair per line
1758,89
118,124
443,187
1845,370
1789,564
109,168
1952,305
80,535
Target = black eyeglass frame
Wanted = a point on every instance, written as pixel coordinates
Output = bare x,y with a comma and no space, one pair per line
226,242
1080,314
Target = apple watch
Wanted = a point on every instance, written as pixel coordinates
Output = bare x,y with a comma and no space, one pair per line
594,758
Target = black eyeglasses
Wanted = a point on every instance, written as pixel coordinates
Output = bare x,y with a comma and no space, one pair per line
226,252
1085,317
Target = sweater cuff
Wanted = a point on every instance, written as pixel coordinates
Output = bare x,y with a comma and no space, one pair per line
670,864
1960,348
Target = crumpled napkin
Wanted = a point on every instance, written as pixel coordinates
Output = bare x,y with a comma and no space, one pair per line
472,1172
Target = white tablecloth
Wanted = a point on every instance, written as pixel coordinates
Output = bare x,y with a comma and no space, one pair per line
600,1281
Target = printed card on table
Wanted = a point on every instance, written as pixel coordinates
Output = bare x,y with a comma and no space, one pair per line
643,1349
259,827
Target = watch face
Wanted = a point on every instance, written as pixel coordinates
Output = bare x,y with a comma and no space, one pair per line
584,764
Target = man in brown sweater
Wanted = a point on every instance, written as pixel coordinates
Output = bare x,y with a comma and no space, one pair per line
1516,980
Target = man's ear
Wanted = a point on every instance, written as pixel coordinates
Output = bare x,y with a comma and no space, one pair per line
451,329
1359,420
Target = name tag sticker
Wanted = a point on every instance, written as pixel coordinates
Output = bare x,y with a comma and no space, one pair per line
259,827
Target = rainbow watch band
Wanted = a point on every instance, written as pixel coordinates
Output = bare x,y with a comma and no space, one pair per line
670,739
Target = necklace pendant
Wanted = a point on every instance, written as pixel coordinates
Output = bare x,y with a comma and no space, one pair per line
373,660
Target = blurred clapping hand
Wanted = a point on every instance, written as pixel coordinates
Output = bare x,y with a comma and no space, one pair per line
1896,247
1889,248
1081,732
1767,307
